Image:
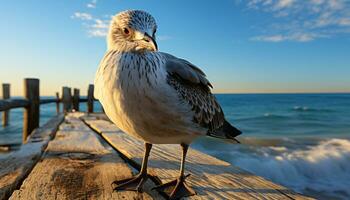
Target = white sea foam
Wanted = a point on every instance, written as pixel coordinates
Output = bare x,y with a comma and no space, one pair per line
323,168
278,148
267,114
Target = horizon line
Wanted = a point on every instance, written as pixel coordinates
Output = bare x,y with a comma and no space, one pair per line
311,92
238,93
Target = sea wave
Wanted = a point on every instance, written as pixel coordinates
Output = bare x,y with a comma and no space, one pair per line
322,168
308,109
265,116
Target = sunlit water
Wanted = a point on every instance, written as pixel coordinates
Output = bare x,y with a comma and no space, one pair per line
298,140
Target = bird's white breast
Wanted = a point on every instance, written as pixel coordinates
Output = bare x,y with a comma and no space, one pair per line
134,92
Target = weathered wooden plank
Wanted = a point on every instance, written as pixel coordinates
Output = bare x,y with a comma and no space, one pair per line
76,165
15,166
211,178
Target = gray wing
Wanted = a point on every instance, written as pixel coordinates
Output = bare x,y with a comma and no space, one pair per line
193,87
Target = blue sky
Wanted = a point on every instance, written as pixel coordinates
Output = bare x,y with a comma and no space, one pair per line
243,46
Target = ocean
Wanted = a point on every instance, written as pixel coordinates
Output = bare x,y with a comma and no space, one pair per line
301,141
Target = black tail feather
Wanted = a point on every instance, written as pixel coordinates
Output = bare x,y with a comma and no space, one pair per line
227,131
230,130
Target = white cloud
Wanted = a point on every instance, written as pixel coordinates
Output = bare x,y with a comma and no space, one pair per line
98,32
282,3
82,16
299,37
344,22
100,24
96,27
271,38
92,4
301,20
99,28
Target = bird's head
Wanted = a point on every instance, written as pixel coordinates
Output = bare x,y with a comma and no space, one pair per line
132,31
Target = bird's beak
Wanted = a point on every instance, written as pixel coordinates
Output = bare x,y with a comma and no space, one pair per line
152,41
145,41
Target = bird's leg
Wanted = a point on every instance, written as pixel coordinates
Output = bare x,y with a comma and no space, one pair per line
135,183
178,188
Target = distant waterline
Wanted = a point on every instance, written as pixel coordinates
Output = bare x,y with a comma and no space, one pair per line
298,140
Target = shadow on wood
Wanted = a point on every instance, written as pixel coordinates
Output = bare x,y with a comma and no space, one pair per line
77,165
211,178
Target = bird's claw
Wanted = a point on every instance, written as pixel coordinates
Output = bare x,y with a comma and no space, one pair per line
130,184
176,189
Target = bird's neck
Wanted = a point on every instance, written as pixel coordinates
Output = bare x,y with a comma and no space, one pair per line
139,70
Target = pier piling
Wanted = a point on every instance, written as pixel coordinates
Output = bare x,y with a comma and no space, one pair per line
66,99
32,111
5,95
76,97
90,99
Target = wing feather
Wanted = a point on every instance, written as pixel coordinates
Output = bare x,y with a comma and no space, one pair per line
194,88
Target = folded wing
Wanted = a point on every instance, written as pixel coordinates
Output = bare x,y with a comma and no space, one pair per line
194,88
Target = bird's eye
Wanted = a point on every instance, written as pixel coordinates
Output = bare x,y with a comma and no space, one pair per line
126,31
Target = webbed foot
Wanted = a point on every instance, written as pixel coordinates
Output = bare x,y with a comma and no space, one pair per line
176,189
131,184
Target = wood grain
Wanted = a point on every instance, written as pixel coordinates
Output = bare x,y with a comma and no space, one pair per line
77,165
15,166
211,178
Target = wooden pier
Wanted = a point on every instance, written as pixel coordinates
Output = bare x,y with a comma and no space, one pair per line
32,101
79,155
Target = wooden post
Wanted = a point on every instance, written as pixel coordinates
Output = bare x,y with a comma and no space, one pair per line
76,98
32,111
66,99
5,95
57,103
90,99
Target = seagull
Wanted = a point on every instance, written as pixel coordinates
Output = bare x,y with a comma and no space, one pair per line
155,96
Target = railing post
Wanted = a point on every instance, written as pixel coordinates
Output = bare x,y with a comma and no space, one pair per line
76,97
57,103
66,99
5,95
90,99
32,111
